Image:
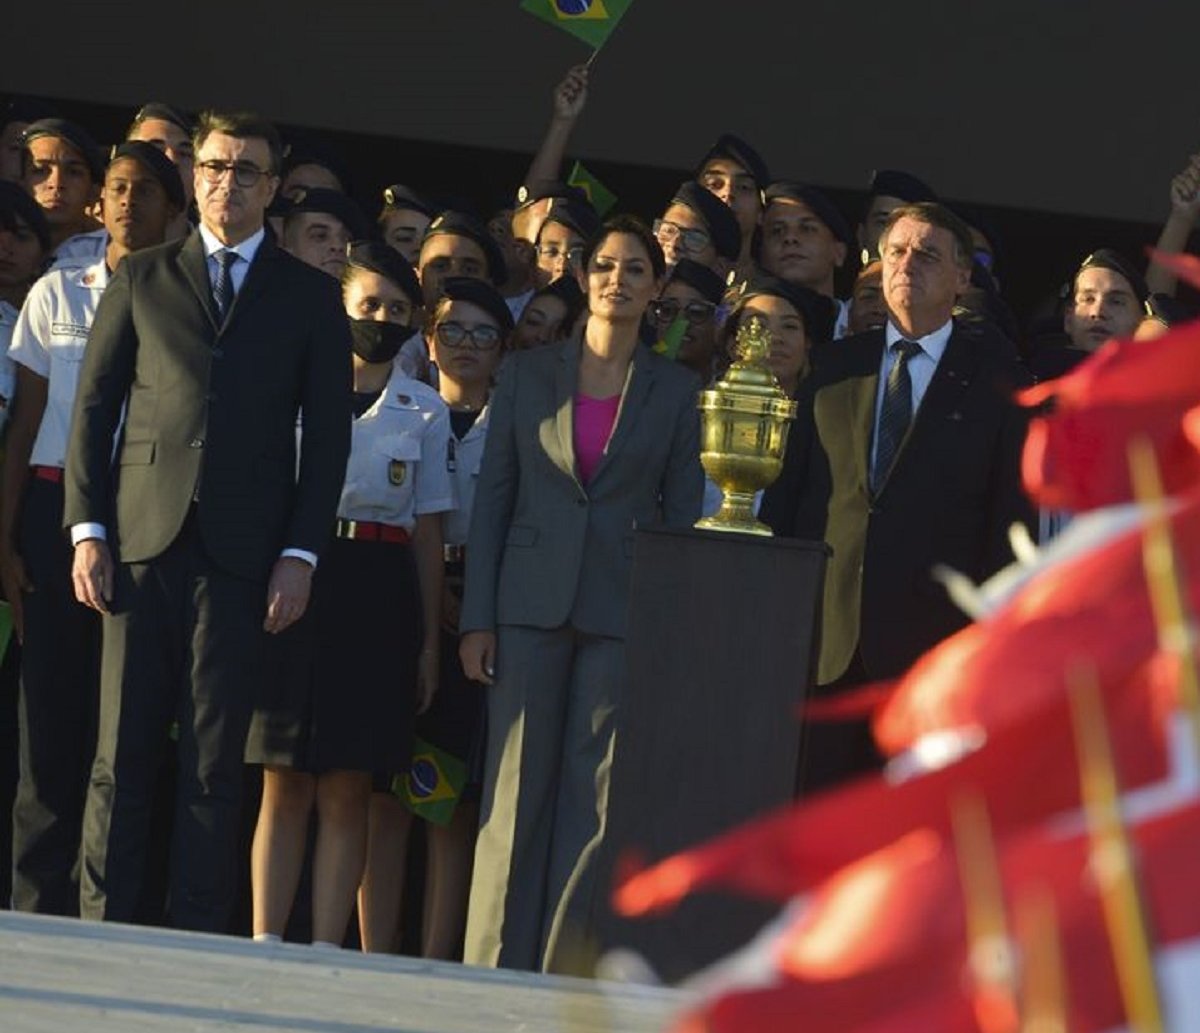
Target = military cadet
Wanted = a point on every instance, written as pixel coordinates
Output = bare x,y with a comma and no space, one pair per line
24,247
142,193
550,316
542,179
1108,299
736,173
567,227
311,165
868,310
889,189
18,113
692,291
170,131
365,660
63,170
804,239
318,227
466,332
700,226
455,244
404,219
520,260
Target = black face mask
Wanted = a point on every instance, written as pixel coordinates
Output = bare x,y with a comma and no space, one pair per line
374,341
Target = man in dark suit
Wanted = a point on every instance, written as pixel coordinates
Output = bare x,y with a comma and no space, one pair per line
906,455
213,344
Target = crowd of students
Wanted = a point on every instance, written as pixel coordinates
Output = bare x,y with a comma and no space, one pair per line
521,390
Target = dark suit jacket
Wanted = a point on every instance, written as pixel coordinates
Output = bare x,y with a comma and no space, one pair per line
952,494
545,550
213,406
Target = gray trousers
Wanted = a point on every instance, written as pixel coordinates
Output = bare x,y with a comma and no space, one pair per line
551,719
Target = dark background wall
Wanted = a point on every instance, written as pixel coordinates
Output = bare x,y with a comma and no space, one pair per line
1065,118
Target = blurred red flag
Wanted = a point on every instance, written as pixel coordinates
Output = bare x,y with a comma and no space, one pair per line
1093,608
883,946
1026,771
1076,457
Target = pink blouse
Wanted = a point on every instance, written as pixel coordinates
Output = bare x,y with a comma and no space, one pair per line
594,419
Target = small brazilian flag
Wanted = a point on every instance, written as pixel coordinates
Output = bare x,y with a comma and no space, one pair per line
434,783
598,194
673,338
589,20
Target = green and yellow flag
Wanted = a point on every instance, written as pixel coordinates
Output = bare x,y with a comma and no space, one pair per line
601,197
589,20
434,783
673,338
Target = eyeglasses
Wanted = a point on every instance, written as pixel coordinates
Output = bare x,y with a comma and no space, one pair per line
695,312
244,173
573,255
483,337
690,241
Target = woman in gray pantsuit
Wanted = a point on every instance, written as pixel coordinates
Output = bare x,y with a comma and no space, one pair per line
588,440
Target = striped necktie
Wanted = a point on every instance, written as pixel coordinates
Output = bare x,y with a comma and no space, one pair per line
223,288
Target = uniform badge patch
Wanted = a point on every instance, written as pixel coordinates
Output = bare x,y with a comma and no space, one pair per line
397,471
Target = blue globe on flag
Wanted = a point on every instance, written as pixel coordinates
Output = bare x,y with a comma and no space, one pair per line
572,7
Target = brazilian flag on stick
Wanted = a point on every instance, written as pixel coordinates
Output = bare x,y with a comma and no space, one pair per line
434,783
673,338
598,194
589,20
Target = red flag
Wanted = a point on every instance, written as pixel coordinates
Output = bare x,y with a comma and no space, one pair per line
831,969
1026,770
1076,457
1094,608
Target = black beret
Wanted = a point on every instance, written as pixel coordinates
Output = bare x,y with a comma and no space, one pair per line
26,109
304,150
388,263
400,196
578,216
904,185
467,288
818,311
16,203
823,208
460,224
1107,258
701,277
526,196
736,149
165,113
157,164
75,135
717,215
565,288
331,202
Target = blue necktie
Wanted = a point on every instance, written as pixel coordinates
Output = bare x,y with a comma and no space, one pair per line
896,412
223,288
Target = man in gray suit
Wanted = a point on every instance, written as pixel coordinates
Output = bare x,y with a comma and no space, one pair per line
211,344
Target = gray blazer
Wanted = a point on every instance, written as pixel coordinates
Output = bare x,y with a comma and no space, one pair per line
544,550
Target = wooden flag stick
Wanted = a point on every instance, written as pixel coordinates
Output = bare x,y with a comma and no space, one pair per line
1168,597
989,950
1112,858
1043,977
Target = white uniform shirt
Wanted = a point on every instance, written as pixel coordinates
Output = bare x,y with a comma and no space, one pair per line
462,460
81,249
8,373
51,334
397,465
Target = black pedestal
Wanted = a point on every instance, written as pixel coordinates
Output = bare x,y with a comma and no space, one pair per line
721,650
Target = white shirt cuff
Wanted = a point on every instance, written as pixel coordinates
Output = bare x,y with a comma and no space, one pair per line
82,532
302,554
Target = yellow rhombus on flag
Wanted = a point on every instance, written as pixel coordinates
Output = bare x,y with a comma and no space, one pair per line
589,20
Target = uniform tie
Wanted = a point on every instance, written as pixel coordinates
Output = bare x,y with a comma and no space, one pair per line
896,413
223,288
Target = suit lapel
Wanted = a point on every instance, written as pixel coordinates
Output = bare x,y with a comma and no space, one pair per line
195,270
257,277
565,378
638,381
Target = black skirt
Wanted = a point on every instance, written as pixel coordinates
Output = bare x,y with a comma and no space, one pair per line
341,686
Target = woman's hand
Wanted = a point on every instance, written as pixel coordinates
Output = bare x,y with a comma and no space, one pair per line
427,678
477,651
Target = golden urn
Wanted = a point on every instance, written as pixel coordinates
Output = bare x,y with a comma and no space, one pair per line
745,420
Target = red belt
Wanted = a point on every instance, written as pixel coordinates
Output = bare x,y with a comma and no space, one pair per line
368,531
53,474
